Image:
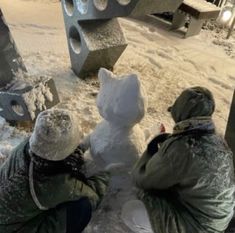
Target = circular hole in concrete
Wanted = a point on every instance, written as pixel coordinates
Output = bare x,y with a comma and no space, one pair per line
101,4
75,40
17,108
82,6
124,2
69,7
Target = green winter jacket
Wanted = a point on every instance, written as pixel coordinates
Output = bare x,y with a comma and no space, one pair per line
18,212
188,185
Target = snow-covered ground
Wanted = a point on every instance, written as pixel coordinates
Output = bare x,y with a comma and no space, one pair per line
164,62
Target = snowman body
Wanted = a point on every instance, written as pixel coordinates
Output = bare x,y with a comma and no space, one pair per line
117,139
122,104
112,144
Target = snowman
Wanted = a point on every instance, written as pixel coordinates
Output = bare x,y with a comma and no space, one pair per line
118,142
122,103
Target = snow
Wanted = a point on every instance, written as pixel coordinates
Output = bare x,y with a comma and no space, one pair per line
55,128
34,89
118,139
121,100
201,6
122,104
164,62
110,144
135,216
10,137
37,97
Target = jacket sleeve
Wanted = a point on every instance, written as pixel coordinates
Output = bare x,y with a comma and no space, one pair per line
160,171
64,188
95,188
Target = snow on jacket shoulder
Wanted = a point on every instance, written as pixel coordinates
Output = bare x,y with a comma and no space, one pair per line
198,170
18,212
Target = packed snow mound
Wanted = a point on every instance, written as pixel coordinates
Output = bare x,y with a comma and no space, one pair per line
111,144
34,90
135,216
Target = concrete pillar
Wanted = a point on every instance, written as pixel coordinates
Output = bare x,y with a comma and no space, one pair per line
20,104
230,131
10,59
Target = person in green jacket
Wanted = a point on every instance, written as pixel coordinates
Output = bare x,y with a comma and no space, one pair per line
43,187
186,179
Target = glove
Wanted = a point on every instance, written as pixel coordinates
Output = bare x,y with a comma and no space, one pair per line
153,146
75,165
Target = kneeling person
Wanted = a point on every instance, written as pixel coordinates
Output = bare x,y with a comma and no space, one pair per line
188,184
43,187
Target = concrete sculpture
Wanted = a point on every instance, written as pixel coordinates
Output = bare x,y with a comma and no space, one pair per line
21,97
95,39
94,44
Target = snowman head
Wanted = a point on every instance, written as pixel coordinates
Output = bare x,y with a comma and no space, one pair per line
121,101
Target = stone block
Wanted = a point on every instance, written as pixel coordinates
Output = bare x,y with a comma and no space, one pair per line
106,9
94,44
25,104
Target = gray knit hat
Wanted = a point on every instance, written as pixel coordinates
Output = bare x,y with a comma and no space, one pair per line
193,102
56,135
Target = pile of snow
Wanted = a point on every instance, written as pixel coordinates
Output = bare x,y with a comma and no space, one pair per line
34,90
37,97
135,216
10,137
219,33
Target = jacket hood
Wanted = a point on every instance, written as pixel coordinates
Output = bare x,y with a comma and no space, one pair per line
193,102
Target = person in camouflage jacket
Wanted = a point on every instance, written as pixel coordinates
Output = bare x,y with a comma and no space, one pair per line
186,179
42,185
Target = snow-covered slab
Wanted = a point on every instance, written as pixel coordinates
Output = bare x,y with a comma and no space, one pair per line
21,101
200,9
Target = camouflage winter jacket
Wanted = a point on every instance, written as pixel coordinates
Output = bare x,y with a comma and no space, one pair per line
188,185
18,212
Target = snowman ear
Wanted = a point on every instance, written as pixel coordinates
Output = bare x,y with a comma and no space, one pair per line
104,75
134,81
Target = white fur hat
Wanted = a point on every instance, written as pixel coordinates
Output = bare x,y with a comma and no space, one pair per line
56,135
